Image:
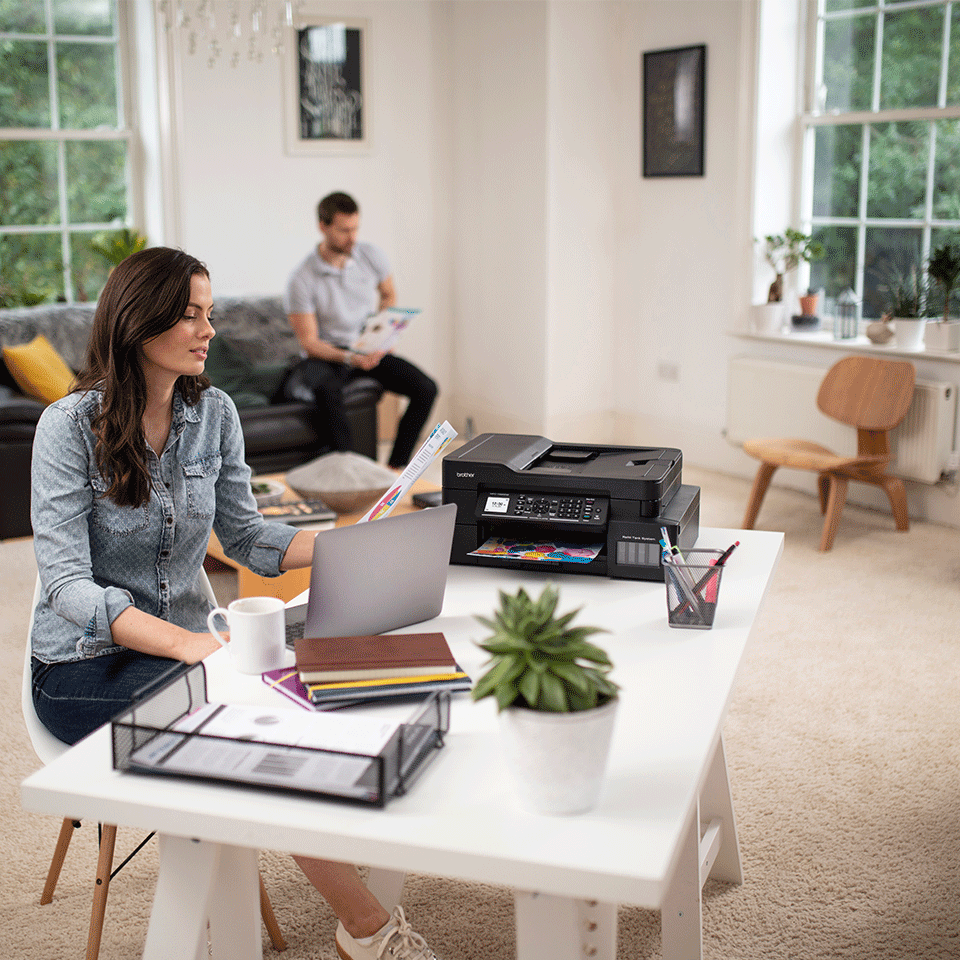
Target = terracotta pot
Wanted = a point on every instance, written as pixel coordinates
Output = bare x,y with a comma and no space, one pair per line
808,304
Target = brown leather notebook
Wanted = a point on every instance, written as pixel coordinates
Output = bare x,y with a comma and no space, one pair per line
371,657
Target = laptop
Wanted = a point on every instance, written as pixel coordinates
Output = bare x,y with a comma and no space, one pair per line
376,576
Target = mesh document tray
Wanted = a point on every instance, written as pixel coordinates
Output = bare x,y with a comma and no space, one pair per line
155,736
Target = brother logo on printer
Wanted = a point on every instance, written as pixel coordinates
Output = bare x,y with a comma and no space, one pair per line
465,474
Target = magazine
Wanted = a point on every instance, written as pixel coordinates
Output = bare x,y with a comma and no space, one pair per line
383,330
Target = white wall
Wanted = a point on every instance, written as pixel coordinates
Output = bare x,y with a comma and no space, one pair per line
682,240
499,213
582,136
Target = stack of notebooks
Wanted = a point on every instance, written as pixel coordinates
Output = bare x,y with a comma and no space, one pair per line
338,671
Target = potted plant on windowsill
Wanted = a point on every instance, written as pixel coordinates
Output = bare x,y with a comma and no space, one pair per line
785,252
556,703
943,269
906,305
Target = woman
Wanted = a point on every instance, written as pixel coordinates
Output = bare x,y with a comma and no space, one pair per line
130,473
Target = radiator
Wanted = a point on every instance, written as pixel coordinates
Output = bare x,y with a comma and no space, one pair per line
773,398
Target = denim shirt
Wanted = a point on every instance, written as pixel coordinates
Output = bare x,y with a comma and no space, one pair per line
96,559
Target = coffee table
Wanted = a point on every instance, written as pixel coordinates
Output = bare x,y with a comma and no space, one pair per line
663,825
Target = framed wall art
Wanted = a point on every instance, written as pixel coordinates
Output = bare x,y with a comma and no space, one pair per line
673,96
326,87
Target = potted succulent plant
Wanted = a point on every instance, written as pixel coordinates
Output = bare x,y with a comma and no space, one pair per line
943,269
906,303
556,702
785,252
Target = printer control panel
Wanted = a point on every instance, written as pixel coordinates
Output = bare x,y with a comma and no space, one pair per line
576,511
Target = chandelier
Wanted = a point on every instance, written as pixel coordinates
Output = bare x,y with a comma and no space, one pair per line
230,29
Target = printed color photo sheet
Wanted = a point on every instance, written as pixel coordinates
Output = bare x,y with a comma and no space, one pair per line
550,550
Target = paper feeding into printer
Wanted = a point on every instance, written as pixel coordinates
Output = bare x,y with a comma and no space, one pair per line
599,509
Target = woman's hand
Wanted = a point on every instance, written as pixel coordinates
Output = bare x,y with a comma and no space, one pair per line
140,631
199,646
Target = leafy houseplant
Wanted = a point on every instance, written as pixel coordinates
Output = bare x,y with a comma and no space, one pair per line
943,269
785,252
906,303
555,702
539,661
116,245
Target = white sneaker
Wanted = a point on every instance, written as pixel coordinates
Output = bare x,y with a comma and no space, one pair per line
399,941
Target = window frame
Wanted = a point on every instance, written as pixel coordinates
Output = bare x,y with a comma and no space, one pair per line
812,118
122,42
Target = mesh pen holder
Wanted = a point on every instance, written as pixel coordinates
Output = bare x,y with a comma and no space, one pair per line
693,588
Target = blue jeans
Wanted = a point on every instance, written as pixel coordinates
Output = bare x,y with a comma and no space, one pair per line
73,699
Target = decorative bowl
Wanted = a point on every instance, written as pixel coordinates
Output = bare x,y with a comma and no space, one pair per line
267,493
351,501
345,482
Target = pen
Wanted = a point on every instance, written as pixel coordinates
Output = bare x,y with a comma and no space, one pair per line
722,559
682,581
719,562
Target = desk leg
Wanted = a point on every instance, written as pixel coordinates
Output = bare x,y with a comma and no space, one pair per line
235,906
716,805
198,880
680,914
709,848
564,929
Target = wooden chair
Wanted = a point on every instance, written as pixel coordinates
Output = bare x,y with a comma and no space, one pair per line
868,393
47,748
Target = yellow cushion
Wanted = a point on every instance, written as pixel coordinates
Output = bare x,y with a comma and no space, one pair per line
39,370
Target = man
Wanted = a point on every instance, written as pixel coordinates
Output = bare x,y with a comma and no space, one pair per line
329,297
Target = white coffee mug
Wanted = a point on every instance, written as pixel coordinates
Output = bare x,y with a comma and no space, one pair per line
257,633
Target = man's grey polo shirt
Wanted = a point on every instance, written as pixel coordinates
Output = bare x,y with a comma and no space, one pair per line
342,300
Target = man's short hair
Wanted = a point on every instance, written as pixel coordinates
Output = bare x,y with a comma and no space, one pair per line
335,203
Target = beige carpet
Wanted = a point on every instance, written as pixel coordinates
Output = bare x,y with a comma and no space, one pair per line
842,741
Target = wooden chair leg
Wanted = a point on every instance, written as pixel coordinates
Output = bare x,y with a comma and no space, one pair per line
270,920
823,488
760,483
837,498
59,855
897,495
108,840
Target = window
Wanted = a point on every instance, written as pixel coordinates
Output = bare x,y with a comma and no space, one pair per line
881,141
64,147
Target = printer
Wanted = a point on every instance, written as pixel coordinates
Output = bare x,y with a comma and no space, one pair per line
602,507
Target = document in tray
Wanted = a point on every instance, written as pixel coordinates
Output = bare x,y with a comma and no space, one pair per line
541,550
226,749
383,330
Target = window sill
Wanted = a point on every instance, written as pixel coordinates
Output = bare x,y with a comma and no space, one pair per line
824,338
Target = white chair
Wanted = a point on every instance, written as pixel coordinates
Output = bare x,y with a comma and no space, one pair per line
47,748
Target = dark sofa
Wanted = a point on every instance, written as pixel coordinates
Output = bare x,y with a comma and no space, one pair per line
248,357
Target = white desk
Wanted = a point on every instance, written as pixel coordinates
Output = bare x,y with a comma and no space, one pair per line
664,822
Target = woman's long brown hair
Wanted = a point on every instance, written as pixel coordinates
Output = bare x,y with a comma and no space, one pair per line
145,295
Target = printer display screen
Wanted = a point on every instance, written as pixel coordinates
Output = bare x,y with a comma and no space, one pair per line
497,505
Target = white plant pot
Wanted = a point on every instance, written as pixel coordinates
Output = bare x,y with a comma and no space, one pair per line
943,336
557,760
768,317
908,333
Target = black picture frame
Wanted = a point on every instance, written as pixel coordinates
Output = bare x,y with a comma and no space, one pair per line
674,96
327,89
